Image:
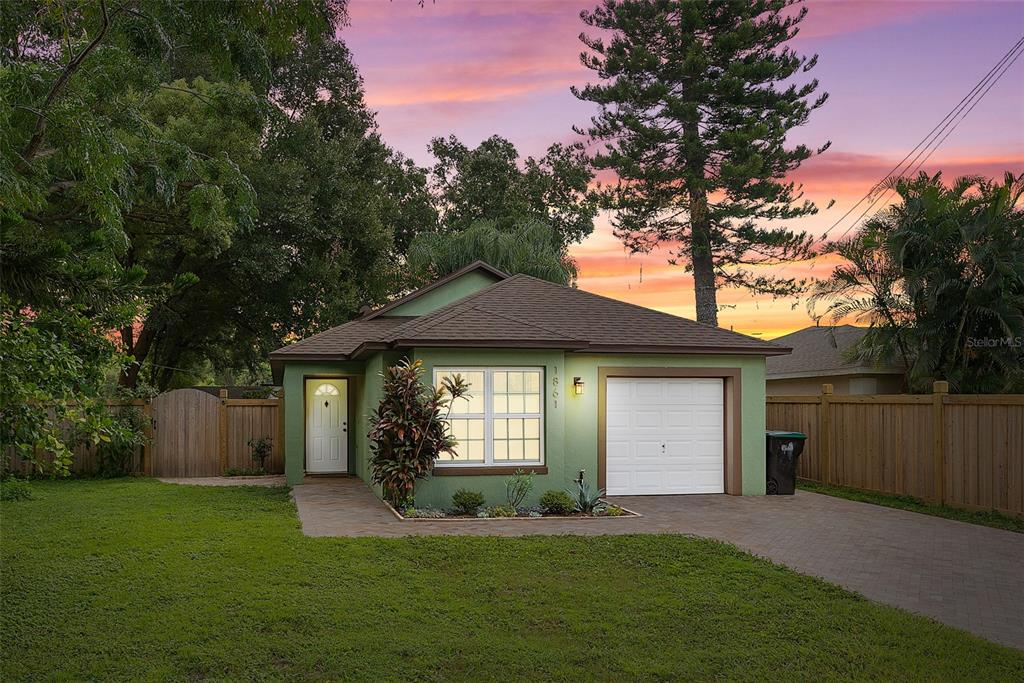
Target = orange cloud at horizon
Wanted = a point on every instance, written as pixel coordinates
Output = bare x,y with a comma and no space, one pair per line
606,268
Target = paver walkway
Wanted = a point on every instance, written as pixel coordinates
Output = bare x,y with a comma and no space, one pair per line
967,576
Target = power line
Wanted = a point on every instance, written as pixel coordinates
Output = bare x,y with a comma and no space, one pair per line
945,128
937,130
991,84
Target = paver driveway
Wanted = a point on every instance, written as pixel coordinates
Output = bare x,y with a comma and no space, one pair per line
967,576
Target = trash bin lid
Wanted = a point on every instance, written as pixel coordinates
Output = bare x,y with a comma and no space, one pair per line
786,435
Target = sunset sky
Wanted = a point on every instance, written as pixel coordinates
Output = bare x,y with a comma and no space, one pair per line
893,70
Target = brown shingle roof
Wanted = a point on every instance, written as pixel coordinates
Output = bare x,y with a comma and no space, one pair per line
820,351
343,340
574,317
522,311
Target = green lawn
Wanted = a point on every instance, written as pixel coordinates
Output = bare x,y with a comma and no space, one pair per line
133,579
984,518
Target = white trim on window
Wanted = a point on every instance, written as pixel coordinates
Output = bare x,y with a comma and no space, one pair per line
489,415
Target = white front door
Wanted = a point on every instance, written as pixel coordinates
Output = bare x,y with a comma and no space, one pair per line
326,425
664,436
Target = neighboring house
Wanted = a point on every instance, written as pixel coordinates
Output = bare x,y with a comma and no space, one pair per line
818,358
561,381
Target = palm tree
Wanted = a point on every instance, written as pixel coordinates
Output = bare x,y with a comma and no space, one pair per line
939,278
530,247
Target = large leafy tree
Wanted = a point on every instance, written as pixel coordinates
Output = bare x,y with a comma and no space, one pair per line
696,100
490,182
529,247
939,278
335,207
85,158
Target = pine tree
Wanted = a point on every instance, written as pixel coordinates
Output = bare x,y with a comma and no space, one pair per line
696,99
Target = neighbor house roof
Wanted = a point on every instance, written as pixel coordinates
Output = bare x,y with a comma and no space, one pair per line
520,311
819,351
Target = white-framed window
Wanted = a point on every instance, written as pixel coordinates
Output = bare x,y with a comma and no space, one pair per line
501,420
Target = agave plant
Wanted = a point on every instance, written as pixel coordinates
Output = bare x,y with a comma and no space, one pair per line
588,500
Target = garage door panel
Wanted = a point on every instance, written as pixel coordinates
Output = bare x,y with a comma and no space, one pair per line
618,393
708,417
618,419
707,391
664,436
648,391
679,391
649,418
679,418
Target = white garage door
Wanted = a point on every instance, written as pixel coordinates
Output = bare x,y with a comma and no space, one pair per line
664,436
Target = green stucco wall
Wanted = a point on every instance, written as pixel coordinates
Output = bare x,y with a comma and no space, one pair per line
570,421
469,283
295,411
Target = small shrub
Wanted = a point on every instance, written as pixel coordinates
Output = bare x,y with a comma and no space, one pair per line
613,511
119,442
501,511
482,514
261,449
517,488
422,513
555,502
15,489
467,502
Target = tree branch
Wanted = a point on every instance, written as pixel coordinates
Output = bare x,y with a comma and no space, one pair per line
58,87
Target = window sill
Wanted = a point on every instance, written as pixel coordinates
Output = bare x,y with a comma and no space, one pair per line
488,470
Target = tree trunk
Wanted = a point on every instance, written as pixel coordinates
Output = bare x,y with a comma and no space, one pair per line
138,348
700,258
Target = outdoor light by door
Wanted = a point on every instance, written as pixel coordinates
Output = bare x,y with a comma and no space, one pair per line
577,386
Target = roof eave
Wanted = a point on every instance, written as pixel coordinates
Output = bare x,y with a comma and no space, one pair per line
308,355
696,350
567,344
834,372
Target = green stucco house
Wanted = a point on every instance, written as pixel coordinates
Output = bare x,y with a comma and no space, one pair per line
561,381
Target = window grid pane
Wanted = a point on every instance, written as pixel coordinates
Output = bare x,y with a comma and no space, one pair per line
501,420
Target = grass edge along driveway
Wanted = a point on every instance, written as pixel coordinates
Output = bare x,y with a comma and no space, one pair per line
138,580
990,518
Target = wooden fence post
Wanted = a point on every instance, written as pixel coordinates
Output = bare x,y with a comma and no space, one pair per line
939,391
149,447
223,429
281,425
825,434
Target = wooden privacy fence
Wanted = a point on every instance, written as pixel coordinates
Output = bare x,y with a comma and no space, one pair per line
193,433
960,450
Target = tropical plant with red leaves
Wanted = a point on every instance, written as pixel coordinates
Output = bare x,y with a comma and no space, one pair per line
408,429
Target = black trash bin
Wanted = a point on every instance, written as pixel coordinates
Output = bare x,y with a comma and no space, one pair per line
782,449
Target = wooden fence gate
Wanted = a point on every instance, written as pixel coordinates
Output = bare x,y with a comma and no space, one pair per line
196,434
186,435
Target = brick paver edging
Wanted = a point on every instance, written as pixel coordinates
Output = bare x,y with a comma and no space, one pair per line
628,515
